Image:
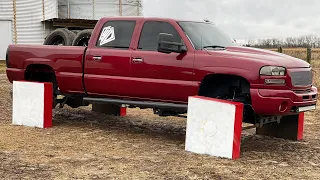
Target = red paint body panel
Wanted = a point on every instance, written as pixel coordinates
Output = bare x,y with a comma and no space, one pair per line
160,77
267,101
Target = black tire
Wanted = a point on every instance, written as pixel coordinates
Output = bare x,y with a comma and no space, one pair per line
82,38
231,93
60,37
75,31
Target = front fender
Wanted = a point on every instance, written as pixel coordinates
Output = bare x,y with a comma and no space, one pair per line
250,75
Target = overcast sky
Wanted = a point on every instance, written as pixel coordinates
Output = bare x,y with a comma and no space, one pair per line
245,19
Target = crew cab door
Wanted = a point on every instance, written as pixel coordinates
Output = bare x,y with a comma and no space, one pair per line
161,76
108,58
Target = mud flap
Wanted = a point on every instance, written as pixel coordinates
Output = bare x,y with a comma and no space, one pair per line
290,127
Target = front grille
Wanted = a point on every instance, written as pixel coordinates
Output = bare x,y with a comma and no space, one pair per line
301,78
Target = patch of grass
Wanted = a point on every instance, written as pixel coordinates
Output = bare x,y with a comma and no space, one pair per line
2,66
316,72
300,53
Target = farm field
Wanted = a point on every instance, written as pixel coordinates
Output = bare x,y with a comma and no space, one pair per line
86,145
300,53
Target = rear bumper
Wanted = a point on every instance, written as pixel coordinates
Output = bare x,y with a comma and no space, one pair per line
15,74
281,102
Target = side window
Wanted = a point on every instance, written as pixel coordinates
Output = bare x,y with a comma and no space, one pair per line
116,34
150,32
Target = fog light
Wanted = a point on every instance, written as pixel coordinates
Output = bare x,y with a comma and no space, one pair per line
283,106
274,81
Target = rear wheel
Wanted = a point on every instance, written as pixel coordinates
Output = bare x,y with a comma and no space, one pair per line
46,77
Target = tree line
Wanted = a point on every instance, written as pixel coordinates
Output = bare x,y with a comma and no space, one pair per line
307,41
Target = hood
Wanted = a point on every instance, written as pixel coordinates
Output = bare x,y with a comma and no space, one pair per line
262,56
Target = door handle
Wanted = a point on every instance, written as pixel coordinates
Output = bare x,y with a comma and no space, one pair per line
96,58
137,60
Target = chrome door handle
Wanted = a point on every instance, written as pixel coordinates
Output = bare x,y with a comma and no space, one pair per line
137,60
96,58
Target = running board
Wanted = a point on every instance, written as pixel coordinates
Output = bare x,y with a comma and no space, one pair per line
145,104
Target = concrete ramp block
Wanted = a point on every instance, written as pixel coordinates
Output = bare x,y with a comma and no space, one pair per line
32,104
214,127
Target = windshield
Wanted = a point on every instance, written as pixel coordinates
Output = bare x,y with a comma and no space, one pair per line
206,35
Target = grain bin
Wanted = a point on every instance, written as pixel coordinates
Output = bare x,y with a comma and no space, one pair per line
31,21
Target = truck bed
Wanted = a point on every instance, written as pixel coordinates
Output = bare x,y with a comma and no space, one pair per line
66,61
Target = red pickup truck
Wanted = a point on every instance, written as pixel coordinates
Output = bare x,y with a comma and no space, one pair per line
158,63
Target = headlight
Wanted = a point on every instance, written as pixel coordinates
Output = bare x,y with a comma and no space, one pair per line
273,71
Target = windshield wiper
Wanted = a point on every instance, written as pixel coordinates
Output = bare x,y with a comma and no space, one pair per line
214,47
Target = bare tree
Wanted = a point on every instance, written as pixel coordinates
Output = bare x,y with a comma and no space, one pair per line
290,42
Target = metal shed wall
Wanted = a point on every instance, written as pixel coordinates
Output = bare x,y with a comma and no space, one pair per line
50,9
95,9
6,25
27,25
29,29
6,10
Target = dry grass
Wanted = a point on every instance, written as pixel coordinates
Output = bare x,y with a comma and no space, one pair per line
300,53
316,69
2,66
87,145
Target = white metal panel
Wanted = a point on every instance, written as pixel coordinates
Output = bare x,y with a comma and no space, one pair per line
6,9
76,9
6,37
62,9
106,8
132,8
50,9
81,9
29,26
95,9
129,10
6,13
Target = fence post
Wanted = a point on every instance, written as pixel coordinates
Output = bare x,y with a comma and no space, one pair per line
309,55
280,49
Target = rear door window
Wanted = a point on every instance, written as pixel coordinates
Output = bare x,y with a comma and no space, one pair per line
116,34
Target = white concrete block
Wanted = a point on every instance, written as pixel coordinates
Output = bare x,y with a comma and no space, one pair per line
32,104
214,127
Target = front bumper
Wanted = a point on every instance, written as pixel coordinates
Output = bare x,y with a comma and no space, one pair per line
281,102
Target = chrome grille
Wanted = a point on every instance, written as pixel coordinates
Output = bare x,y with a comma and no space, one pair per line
301,78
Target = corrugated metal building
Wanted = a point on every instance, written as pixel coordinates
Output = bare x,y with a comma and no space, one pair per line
22,21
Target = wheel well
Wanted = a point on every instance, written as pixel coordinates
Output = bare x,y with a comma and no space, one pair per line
40,73
229,87
223,81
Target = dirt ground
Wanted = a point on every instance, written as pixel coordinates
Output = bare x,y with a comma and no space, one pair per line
87,145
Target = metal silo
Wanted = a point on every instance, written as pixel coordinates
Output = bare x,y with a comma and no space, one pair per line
30,21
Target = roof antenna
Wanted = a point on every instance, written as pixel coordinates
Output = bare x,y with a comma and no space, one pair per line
206,20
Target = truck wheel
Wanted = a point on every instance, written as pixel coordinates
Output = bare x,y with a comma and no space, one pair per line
60,37
229,88
82,38
234,94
